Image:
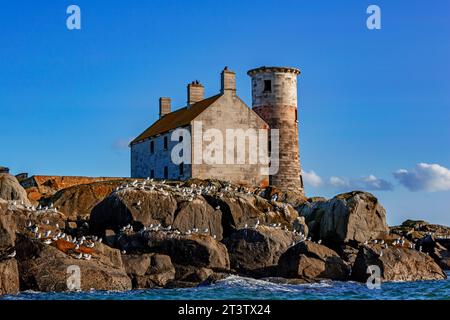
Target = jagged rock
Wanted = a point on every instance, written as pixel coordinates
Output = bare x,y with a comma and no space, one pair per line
9,277
7,229
308,260
442,257
417,230
396,264
240,209
45,268
300,226
192,274
198,214
129,205
78,201
256,251
14,219
215,277
199,250
221,213
196,250
348,254
10,189
149,270
292,197
350,217
143,208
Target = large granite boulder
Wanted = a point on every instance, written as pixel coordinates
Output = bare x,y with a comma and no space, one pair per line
15,218
256,251
196,249
10,189
46,268
309,260
293,197
78,201
9,277
396,263
416,230
199,250
7,228
149,270
161,205
350,217
220,210
240,209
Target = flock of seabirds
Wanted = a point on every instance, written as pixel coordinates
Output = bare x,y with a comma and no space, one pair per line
48,237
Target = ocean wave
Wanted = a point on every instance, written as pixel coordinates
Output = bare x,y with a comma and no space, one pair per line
250,283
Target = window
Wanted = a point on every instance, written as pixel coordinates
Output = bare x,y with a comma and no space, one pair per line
180,139
301,181
267,85
270,148
181,169
166,143
152,174
166,172
152,146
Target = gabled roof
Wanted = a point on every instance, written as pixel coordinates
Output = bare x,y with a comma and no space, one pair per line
179,118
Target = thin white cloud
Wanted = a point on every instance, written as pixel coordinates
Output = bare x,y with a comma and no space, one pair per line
121,144
311,178
339,182
370,183
425,177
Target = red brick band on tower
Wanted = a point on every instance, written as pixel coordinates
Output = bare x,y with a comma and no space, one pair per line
274,99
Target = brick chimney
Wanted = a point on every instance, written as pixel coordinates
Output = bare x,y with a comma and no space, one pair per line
228,79
164,106
195,92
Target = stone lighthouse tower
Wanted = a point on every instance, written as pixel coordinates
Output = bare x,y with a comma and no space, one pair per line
274,99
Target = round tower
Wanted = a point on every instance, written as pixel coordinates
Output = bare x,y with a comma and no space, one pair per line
274,99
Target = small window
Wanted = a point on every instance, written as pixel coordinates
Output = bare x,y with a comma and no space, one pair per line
267,85
180,139
152,174
166,172
152,146
301,181
166,143
181,169
270,147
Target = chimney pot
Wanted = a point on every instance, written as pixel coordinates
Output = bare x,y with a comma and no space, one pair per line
165,106
195,92
228,80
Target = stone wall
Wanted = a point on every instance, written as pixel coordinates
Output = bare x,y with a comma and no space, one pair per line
143,160
229,112
56,183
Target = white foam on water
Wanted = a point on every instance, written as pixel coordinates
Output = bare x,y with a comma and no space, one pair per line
259,284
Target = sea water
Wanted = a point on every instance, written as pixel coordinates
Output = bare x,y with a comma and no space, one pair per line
239,288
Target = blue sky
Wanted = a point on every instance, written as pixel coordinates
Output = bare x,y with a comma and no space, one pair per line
372,102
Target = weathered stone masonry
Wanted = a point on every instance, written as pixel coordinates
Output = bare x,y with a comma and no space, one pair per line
274,98
274,93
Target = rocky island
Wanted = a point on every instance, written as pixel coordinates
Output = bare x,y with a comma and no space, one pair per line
126,234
